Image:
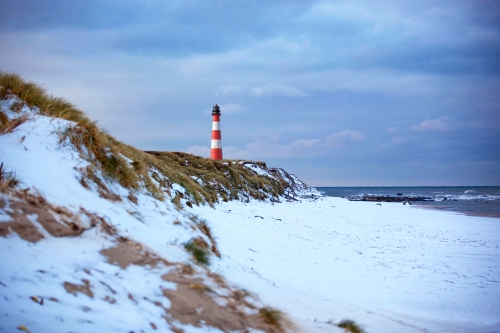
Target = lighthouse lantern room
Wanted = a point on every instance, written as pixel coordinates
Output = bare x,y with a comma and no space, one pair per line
216,146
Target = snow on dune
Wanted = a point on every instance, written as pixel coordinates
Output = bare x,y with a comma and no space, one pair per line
391,268
48,269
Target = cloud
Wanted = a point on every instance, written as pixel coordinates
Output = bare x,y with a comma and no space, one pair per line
301,147
235,153
194,67
392,129
267,90
276,89
230,89
227,108
479,125
305,144
203,151
394,141
297,148
231,108
345,137
377,80
351,12
433,125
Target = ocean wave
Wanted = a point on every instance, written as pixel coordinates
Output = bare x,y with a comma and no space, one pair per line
483,197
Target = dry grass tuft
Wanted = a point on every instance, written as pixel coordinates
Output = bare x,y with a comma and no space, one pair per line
350,326
10,126
8,179
198,250
89,174
187,269
275,318
132,198
97,220
219,279
17,106
4,121
199,287
205,229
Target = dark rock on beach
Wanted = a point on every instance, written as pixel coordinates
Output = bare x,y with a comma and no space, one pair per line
378,198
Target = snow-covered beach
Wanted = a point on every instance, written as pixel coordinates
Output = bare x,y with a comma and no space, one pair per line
392,268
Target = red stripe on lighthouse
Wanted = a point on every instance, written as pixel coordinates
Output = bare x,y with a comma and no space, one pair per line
216,144
216,135
216,154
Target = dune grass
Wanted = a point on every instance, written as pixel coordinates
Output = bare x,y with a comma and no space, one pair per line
99,145
228,179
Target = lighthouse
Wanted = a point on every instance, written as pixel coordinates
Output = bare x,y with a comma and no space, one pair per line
216,146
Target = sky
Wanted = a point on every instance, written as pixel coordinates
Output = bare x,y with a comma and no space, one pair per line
340,93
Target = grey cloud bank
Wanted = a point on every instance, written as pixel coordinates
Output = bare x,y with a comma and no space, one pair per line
337,92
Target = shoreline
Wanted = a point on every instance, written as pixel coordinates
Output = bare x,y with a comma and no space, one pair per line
429,205
450,209
467,200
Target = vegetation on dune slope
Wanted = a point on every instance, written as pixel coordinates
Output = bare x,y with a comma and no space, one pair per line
230,179
204,180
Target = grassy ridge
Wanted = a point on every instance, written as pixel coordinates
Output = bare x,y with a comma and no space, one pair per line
204,180
230,179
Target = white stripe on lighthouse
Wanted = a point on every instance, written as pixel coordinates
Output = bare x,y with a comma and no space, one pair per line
216,144
215,126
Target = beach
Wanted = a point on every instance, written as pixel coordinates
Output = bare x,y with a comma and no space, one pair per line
389,267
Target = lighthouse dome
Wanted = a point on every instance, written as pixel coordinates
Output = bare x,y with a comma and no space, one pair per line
216,109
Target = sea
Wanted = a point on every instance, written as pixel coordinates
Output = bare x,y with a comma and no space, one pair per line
470,200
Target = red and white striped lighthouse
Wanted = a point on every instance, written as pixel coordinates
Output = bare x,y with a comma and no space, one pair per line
216,146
